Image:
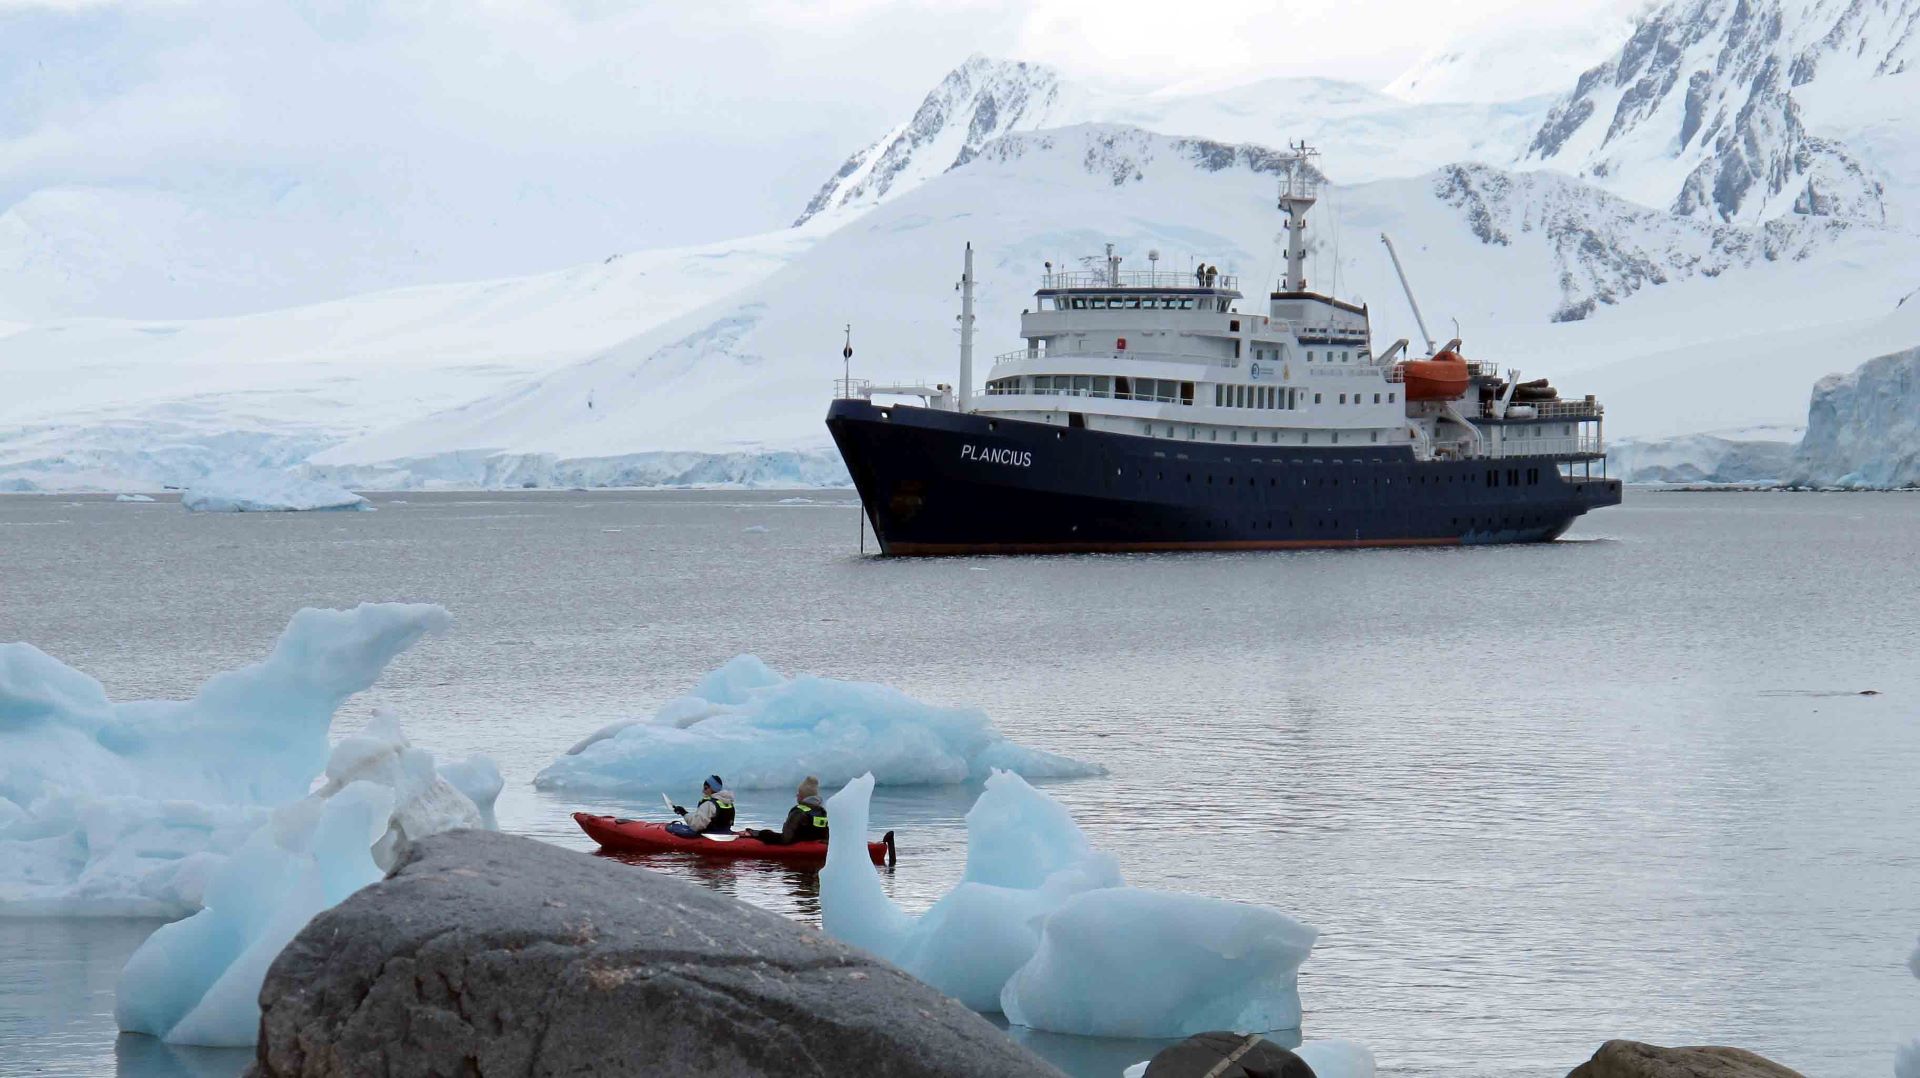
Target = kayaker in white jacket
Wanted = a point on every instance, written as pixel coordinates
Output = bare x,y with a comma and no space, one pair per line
712,814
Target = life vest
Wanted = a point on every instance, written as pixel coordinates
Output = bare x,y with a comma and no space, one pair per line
815,829
722,814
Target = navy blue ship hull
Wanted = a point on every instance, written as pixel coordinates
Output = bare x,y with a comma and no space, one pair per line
936,482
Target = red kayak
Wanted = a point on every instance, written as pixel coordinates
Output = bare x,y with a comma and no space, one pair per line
645,836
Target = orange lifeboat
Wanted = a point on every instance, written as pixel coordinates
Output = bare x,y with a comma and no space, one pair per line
1442,378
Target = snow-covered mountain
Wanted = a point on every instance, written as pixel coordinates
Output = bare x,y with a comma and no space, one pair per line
1364,134
745,380
1745,110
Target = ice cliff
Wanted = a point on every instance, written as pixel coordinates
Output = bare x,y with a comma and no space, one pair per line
762,730
1863,427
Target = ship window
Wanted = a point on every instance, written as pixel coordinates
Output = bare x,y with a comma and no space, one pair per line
1309,355
1373,435
1079,304
1186,392
1316,398
1233,436
1233,325
1343,398
1389,398
1219,395
1376,398
1274,437
1133,304
1336,437
1082,385
1186,304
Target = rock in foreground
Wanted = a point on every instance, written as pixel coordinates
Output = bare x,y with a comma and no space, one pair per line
494,955
1632,1059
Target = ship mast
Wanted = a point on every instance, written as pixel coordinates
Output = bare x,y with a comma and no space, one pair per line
966,333
1299,190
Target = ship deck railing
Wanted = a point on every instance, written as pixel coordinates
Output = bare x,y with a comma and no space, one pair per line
1137,279
1553,409
1022,354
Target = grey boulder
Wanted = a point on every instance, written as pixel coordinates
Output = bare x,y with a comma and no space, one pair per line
486,954
1632,1059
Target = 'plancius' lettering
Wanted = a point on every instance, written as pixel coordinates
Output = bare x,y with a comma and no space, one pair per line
1012,458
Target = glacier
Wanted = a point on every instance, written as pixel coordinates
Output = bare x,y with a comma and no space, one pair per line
1042,928
763,730
266,492
127,809
197,980
1754,457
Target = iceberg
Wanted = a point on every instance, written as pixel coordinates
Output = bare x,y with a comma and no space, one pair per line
1025,858
1127,962
1042,928
126,809
132,498
267,492
197,981
763,730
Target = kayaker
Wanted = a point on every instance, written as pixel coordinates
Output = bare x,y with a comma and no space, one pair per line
713,814
806,820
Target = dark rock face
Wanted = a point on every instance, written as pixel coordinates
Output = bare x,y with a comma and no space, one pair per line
489,954
1631,1059
1227,1055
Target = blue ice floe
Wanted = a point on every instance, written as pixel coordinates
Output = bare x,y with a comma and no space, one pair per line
764,730
1042,928
127,809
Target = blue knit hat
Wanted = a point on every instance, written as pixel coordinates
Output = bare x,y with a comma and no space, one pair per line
714,783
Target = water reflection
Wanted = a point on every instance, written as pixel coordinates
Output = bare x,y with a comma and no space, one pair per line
148,1057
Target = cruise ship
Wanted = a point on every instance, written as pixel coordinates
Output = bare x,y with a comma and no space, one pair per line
1149,411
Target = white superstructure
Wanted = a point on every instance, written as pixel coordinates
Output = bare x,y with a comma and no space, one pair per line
1170,355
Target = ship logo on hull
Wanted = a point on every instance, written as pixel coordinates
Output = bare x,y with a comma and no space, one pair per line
1012,458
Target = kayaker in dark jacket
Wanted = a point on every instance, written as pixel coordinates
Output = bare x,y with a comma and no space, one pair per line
713,814
806,820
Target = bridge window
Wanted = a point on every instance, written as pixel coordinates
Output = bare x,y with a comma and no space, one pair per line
1343,398
1079,303
1316,398
1389,398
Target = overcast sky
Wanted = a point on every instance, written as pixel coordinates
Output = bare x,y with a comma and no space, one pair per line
690,120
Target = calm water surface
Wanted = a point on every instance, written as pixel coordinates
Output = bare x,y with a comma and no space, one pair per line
1533,797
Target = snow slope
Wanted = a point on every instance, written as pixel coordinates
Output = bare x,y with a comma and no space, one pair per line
1585,281
113,404
1504,59
1752,109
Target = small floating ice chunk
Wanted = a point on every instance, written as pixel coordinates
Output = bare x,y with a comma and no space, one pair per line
267,492
755,529
763,730
131,498
1042,928
1337,1059
1126,962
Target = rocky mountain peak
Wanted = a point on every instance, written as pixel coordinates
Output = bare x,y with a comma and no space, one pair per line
975,103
